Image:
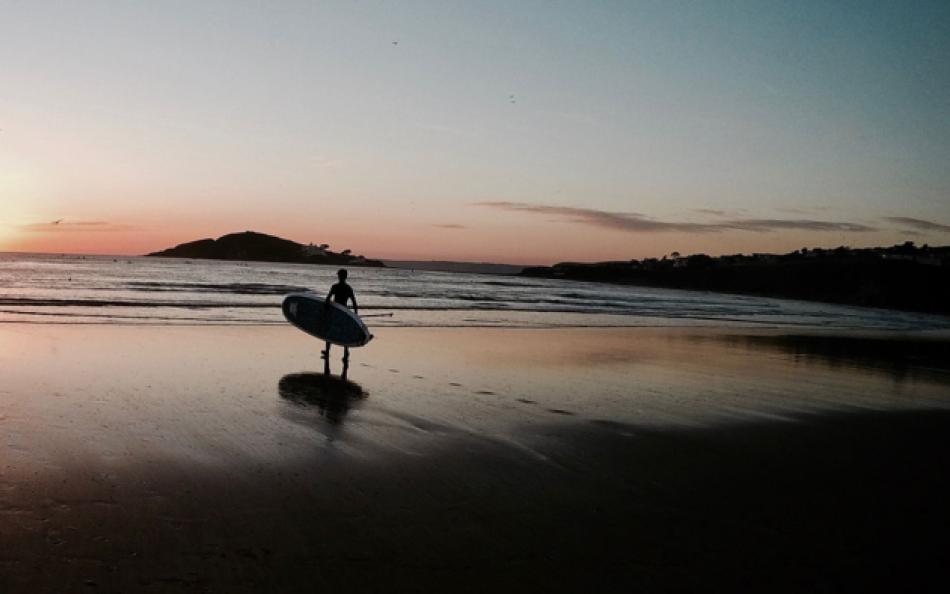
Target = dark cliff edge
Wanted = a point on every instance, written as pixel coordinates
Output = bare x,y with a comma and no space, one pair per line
903,277
259,247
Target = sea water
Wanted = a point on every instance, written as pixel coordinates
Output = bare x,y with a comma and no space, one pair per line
42,288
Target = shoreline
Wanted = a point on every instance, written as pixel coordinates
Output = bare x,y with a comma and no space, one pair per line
176,459
901,277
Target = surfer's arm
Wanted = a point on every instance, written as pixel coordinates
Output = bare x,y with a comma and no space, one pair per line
356,308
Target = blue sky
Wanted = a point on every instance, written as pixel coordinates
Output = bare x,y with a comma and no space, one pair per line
471,130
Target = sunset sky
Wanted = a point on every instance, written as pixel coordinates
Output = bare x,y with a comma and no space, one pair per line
524,132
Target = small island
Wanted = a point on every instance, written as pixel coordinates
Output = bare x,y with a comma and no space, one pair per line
260,247
904,277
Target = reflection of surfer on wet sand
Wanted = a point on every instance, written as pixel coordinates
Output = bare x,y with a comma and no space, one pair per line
331,397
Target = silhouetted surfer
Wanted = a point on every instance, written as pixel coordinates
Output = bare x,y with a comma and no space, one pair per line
341,292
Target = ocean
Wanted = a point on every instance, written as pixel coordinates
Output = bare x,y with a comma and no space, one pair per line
74,289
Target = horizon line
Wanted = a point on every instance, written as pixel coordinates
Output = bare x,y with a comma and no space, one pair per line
462,261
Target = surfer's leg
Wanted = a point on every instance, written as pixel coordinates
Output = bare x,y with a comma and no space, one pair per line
346,355
325,353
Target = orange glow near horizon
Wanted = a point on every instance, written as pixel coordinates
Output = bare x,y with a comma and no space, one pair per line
525,244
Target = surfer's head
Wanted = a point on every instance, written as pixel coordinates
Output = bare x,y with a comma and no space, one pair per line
341,274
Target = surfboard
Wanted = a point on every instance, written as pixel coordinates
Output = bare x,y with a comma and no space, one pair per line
331,321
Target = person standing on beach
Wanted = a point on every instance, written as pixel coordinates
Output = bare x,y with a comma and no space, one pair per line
341,292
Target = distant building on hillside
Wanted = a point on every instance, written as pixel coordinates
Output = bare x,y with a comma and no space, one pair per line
315,250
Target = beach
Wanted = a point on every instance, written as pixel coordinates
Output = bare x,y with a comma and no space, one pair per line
640,297
221,459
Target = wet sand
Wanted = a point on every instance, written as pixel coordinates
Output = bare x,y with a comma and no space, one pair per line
220,459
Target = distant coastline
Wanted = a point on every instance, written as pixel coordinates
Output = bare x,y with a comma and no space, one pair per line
457,267
260,247
903,277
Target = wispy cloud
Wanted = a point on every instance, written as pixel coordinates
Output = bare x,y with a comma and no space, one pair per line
449,226
65,226
765,225
920,224
803,211
636,222
711,211
622,221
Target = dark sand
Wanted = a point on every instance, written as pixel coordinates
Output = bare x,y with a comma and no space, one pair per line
462,460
